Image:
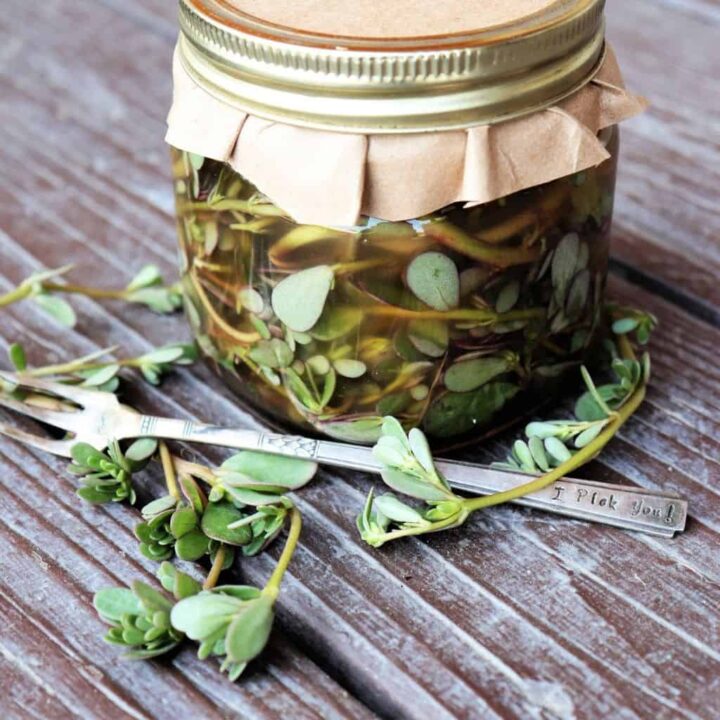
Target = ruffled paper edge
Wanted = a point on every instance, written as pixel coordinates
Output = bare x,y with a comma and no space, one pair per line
331,178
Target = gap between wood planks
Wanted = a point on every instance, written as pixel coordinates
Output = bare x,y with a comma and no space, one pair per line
672,293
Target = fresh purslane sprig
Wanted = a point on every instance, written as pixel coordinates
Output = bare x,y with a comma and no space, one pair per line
244,507
139,616
229,622
107,476
146,288
233,622
35,288
409,470
632,321
95,372
552,450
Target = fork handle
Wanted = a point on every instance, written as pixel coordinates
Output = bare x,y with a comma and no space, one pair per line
631,508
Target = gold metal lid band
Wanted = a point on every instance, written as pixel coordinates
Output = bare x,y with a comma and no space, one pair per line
372,86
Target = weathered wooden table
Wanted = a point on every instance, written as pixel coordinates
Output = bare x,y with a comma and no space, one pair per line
518,615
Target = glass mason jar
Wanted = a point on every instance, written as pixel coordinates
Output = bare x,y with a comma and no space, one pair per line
476,166
458,322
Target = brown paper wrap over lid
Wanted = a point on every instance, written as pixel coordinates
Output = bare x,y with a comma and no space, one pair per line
333,125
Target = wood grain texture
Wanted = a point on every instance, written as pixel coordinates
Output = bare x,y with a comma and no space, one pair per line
519,614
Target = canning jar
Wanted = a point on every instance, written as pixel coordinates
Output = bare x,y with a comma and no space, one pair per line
458,319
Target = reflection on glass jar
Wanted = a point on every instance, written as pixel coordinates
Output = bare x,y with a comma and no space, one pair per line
455,322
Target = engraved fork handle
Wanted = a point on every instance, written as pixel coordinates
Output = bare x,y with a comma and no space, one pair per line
627,507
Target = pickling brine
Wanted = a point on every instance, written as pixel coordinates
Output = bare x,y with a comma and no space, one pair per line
457,322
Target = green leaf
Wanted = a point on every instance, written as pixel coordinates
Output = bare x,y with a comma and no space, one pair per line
393,428
151,600
421,450
398,511
204,614
166,574
467,375
250,497
543,430
524,456
17,356
434,279
159,299
94,496
146,654
328,387
273,353
141,450
250,630
587,436
577,295
625,325
60,310
299,299
508,297
391,451
101,376
159,506
430,337
272,470
557,450
182,521
241,592
457,413
192,493
215,521
350,368
319,364
112,603
149,275
336,322
163,355
564,262
405,348
178,583
363,429
410,485
394,404
251,300
86,455
191,546
537,449
185,586
587,409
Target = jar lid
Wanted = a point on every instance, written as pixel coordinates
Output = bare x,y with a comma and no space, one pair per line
374,65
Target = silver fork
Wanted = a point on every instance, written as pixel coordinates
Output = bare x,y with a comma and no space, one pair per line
101,418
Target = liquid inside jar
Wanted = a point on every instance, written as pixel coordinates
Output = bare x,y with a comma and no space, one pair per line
457,322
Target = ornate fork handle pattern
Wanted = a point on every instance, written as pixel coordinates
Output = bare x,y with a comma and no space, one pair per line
293,445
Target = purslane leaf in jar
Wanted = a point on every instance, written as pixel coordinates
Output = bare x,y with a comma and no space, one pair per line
456,413
466,375
433,278
299,299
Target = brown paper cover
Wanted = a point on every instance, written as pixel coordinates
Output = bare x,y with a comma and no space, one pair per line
332,178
